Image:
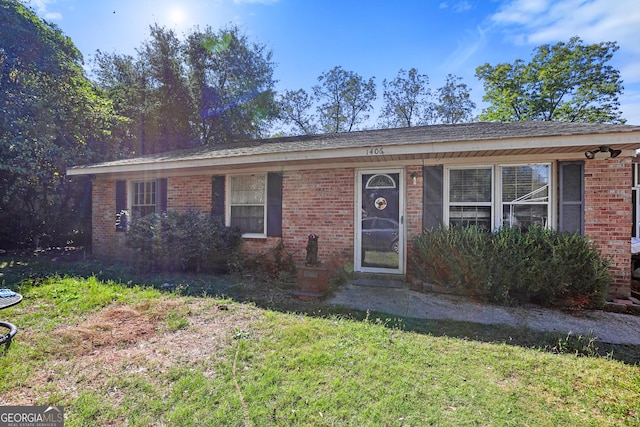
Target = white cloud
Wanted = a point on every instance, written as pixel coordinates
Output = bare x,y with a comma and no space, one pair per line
41,7
458,7
542,21
630,107
466,49
462,6
535,22
520,11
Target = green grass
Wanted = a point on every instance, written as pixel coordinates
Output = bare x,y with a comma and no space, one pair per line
113,354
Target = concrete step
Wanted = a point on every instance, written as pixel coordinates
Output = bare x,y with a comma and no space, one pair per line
379,280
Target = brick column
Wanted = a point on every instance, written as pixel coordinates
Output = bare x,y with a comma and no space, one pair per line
608,216
414,207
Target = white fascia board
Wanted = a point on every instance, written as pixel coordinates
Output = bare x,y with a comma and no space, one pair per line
373,151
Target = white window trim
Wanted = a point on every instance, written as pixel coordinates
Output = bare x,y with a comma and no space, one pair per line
500,204
227,204
496,195
131,185
636,191
447,187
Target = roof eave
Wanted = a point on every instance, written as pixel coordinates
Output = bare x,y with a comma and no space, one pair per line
529,145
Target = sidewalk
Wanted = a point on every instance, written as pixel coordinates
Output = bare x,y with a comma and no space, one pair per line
607,327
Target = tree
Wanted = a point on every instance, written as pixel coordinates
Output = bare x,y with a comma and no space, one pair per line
454,104
152,91
51,117
345,100
210,88
231,83
407,100
295,107
173,108
569,82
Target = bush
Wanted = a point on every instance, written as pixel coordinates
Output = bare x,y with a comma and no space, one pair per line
513,265
188,241
274,265
453,257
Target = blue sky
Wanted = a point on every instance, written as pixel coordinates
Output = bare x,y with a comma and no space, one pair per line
372,38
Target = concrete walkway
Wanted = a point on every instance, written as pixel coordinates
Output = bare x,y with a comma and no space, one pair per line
607,327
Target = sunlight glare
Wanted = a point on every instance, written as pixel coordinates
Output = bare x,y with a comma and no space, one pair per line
177,15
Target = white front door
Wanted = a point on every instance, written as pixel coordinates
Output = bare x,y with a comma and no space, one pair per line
380,236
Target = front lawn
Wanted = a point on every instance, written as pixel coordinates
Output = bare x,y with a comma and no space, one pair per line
112,354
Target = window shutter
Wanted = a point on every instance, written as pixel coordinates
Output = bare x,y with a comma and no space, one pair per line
433,193
162,195
217,197
571,197
274,204
121,205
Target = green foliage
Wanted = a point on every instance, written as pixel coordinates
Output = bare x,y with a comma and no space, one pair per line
579,345
513,265
247,366
275,265
454,102
345,100
51,117
566,82
212,87
231,85
406,100
190,241
295,107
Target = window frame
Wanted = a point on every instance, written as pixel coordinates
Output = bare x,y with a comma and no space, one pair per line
229,205
447,194
635,199
499,218
496,191
133,185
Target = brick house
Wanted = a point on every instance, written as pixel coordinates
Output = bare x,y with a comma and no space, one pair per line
367,194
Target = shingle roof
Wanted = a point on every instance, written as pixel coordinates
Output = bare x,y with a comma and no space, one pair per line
468,132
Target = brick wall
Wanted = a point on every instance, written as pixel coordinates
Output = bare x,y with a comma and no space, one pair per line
413,218
608,216
320,202
105,241
189,192
324,199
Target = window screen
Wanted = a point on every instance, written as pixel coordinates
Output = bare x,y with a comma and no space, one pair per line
525,195
247,200
470,197
144,198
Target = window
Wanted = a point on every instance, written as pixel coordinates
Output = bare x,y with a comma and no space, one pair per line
248,196
525,195
470,197
635,200
143,202
498,196
380,181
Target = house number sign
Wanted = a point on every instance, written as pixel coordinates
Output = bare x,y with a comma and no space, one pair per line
375,151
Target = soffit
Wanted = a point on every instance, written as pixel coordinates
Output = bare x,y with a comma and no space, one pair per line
429,143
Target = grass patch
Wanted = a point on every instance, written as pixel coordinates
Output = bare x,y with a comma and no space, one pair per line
119,355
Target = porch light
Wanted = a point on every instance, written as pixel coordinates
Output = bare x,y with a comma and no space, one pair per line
602,149
414,177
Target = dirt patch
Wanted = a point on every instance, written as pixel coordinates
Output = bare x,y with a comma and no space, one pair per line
128,340
112,327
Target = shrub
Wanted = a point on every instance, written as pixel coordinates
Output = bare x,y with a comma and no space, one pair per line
189,241
274,265
513,265
453,257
